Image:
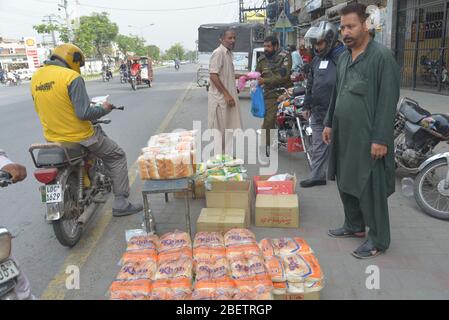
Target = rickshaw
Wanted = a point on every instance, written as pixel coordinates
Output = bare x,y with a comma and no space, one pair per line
141,71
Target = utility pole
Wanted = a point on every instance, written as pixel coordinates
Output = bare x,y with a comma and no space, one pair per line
49,19
65,6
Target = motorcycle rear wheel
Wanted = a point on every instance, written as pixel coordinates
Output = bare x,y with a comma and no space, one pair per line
67,230
425,179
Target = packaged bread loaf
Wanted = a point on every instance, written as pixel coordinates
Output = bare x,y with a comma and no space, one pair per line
223,289
176,289
138,270
131,290
302,267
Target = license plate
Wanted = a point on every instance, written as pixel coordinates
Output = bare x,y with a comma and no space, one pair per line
53,193
8,271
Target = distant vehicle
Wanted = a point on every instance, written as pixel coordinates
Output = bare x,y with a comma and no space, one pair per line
247,47
24,74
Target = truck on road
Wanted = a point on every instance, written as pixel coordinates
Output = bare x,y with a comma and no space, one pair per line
248,47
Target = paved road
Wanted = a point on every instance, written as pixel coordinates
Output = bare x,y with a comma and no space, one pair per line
35,246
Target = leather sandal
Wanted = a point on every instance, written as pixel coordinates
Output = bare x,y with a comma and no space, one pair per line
345,233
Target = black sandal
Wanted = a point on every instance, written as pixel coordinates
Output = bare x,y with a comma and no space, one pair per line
345,233
367,251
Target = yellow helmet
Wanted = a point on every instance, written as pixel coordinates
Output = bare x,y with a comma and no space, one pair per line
71,55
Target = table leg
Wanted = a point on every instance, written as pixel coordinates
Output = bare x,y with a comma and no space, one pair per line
189,228
148,216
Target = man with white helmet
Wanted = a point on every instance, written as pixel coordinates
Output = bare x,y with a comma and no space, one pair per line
321,81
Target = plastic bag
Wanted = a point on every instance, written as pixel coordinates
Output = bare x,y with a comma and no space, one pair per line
258,103
223,289
174,269
212,269
178,289
300,268
138,256
236,237
130,290
138,270
174,244
281,177
143,242
275,268
284,246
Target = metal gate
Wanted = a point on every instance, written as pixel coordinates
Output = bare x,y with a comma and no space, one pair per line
422,44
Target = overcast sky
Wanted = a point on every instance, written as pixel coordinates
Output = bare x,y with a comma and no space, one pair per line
171,23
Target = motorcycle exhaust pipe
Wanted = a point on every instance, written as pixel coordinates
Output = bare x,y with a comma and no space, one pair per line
87,214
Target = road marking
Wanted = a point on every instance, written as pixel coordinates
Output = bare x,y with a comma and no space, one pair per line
78,255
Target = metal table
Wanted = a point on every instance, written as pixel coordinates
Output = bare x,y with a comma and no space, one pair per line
166,186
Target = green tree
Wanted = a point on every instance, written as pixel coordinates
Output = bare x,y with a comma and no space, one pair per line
154,52
96,33
131,44
176,51
49,28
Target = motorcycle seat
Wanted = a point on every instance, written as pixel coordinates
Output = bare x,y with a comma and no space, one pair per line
299,91
57,156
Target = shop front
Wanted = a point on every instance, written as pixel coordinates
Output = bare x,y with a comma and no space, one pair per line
422,44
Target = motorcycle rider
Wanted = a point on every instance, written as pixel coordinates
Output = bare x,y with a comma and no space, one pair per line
124,70
18,173
63,106
321,81
135,68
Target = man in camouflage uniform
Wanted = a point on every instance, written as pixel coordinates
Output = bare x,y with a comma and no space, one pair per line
274,65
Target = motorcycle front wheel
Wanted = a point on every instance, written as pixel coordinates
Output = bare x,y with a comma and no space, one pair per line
67,230
430,192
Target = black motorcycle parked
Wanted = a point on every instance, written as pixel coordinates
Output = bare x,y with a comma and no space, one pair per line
434,72
417,133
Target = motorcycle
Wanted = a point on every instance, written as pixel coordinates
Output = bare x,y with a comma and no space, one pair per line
124,77
290,122
107,75
73,182
417,133
434,71
9,271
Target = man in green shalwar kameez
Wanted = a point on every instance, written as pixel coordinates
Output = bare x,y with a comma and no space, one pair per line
359,129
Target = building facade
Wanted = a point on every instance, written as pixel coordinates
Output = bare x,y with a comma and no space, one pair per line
416,31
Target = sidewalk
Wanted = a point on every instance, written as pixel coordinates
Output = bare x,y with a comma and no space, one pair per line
415,267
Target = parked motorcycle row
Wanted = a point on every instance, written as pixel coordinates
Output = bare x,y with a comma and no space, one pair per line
434,72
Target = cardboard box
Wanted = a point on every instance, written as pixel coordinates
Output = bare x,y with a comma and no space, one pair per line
262,186
220,219
200,191
277,211
231,195
301,296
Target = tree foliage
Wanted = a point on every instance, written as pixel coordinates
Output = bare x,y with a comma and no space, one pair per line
154,52
95,34
131,44
176,51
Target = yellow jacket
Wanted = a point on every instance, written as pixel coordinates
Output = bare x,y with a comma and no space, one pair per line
62,107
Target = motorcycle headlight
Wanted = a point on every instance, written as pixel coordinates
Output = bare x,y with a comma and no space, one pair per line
5,244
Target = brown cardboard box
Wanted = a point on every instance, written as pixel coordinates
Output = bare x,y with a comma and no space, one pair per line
301,296
277,211
200,191
220,219
231,194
